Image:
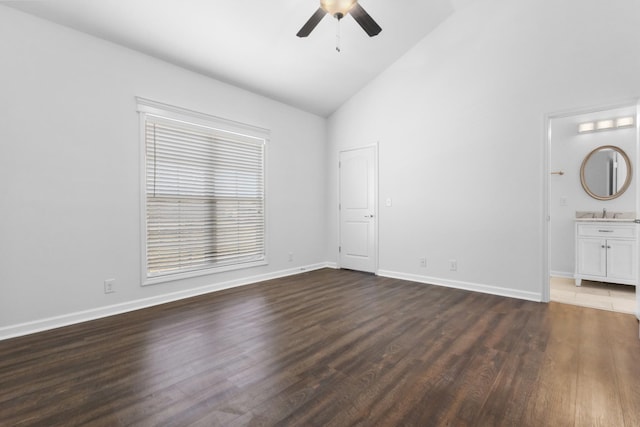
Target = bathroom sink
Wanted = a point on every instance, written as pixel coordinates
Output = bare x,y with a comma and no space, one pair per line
604,216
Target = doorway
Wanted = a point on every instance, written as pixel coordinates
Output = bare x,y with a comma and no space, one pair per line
571,138
358,182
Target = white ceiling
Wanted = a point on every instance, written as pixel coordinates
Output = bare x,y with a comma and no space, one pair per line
253,43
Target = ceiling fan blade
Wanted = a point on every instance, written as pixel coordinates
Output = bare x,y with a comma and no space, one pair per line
311,23
365,20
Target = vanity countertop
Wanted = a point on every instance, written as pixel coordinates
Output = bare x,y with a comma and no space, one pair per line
605,220
604,216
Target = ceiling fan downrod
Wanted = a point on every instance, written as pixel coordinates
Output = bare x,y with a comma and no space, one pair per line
338,17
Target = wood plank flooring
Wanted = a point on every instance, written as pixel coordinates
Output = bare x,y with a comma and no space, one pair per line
330,348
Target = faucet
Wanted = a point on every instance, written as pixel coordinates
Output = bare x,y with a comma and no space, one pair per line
604,212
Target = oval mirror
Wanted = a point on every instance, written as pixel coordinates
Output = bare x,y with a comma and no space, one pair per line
606,172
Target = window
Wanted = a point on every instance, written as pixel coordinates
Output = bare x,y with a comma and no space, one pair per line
203,192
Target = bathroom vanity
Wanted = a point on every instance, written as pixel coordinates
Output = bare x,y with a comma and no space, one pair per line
606,243
606,250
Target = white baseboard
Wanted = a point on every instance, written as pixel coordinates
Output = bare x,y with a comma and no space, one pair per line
97,313
468,286
562,274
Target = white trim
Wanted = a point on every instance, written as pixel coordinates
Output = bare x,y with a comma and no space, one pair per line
622,103
377,206
637,125
111,310
165,278
545,291
467,286
160,109
561,274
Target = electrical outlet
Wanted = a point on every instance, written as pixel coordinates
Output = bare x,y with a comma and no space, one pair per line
109,286
453,265
423,262
290,256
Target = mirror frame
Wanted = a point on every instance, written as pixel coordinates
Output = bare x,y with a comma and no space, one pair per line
627,182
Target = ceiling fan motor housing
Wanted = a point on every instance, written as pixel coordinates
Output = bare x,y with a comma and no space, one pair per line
337,8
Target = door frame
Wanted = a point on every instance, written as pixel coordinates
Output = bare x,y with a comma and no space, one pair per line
376,204
546,202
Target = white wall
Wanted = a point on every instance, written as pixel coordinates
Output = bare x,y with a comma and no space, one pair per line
567,151
69,173
460,123
459,120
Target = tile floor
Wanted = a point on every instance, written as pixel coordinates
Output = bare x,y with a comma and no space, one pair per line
605,296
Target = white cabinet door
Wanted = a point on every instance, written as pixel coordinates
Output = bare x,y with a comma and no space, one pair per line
607,252
620,259
592,257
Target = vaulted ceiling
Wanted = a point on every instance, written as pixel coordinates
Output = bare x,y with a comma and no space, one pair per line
253,44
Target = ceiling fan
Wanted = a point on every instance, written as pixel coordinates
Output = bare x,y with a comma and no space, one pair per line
339,9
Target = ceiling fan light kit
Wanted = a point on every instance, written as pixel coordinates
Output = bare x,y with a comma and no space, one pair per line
339,9
335,7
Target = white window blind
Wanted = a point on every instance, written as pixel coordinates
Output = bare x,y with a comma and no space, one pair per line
204,197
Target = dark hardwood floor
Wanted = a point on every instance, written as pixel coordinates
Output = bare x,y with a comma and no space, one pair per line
330,348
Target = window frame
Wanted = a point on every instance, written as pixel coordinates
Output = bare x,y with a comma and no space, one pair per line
148,108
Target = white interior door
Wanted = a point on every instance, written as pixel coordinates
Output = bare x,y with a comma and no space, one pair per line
358,215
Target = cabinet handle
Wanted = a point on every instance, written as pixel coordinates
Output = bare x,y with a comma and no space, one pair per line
605,231
608,247
602,246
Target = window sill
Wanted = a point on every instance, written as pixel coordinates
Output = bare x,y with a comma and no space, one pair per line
154,280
